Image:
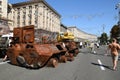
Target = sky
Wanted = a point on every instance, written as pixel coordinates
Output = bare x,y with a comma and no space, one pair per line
90,16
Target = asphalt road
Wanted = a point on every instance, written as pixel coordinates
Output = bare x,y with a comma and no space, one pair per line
86,66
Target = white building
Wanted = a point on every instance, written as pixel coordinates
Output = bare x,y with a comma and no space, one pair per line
38,13
79,34
3,8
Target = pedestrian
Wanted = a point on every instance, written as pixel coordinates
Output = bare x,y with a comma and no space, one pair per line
85,44
97,45
81,44
92,47
114,47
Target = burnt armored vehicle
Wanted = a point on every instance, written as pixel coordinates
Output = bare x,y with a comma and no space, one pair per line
24,51
68,39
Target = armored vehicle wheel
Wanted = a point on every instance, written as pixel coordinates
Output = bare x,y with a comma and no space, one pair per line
76,52
21,61
70,57
63,59
53,62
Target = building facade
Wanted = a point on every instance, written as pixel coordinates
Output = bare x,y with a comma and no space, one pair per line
38,13
63,28
3,8
80,35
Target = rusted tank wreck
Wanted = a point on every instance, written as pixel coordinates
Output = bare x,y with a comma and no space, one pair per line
24,51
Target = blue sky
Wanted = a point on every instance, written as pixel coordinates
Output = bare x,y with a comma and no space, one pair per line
91,16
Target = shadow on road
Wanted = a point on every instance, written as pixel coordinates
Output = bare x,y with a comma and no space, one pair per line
108,67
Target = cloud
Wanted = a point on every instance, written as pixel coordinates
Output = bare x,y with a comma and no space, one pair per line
86,16
92,16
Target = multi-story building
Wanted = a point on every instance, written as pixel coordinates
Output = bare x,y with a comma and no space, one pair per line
4,28
38,13
81,35
3,8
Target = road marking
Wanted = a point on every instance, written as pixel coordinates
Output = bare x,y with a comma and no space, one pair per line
101,66
4,62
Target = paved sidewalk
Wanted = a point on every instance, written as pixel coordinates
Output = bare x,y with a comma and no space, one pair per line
1,60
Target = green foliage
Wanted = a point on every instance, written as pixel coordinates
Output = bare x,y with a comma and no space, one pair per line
103,38
115,32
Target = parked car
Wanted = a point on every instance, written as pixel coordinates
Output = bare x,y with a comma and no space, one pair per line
4,44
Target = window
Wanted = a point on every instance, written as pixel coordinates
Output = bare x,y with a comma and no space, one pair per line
0,10
0,3
30,9
36,6
24,10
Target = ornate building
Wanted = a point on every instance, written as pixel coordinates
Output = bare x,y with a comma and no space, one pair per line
3,8
38,13
4,28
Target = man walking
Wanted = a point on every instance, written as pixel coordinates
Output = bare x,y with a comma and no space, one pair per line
92,47
114,47
81,44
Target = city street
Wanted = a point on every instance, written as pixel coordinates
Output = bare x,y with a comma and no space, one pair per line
86,66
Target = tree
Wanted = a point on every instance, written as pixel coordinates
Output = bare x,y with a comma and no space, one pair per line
103,38
115,32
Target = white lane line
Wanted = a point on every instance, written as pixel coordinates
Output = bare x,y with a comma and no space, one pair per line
101,66
4,62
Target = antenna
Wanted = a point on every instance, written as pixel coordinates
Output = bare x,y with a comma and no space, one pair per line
103,28
118,7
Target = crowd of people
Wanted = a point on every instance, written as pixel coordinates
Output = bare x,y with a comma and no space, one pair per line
91,45
112,49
